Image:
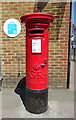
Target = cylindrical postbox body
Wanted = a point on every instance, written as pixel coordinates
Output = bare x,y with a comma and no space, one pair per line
37,25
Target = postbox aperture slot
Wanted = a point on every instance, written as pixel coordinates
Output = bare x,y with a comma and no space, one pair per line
36,45
36,31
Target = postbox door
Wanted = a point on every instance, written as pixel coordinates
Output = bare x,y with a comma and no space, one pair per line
37,63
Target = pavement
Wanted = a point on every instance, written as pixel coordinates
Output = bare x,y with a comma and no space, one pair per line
60,102
60,105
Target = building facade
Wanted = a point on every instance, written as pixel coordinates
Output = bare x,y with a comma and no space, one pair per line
14,49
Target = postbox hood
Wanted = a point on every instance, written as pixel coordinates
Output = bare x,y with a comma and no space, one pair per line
37,16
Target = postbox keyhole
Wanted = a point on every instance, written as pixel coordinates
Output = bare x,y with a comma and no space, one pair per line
43,64
45,61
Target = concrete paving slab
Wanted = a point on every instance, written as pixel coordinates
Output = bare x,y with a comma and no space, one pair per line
60,105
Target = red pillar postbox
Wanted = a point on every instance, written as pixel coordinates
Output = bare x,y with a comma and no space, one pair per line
37,25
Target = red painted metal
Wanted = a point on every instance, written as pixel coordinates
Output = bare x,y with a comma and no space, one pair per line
37,25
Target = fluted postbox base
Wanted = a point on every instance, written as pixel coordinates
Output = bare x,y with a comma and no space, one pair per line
36,100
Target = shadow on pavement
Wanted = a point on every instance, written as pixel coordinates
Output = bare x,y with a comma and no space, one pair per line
21,90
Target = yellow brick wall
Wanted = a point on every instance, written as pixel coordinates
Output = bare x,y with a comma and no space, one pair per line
58,43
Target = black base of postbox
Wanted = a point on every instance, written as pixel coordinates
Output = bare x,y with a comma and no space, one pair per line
36,100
